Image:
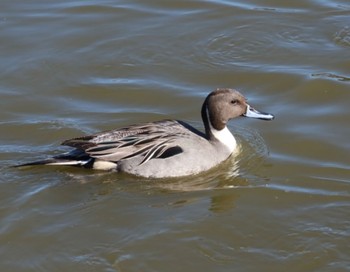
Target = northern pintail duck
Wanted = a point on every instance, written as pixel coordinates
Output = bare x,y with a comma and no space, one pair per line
168,148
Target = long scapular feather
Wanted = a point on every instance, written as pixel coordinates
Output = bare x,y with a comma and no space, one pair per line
155,151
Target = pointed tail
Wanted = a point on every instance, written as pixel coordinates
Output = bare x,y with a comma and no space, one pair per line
74,158
54,161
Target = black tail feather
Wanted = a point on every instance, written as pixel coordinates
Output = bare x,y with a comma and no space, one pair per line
42,162
57,162
70,159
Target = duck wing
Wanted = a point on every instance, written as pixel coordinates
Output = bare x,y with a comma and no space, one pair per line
149,140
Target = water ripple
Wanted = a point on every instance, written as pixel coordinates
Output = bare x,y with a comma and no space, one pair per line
342,37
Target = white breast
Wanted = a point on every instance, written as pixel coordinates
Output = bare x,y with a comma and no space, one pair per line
225,136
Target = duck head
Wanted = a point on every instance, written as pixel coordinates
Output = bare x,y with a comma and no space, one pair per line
222,105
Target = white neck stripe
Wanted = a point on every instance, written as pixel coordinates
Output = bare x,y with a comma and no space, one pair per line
224,136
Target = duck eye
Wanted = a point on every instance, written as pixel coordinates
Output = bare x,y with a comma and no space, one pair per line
234,101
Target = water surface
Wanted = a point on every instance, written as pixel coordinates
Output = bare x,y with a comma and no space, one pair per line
71,68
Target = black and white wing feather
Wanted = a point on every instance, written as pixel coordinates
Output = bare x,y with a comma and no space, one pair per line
150,140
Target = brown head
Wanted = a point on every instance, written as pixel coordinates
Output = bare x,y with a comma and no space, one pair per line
224,104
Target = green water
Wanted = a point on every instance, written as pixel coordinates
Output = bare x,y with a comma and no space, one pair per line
71,68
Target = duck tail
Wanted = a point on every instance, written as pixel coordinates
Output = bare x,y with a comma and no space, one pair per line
70,159
42,162
56,162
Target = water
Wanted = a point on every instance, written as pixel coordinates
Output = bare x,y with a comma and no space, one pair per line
71,68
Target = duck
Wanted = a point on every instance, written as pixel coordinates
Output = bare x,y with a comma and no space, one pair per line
166,148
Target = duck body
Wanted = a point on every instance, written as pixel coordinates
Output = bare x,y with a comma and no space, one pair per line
187,153
167,148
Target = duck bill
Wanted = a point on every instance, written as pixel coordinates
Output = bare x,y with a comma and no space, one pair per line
253,113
